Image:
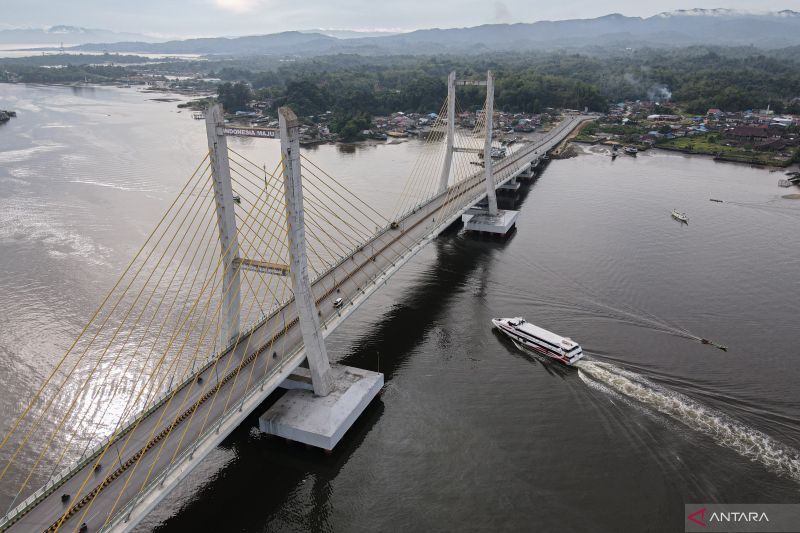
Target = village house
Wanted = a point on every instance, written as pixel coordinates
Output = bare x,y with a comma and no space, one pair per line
747,133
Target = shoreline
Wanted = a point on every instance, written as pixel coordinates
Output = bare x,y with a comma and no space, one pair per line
728,158
782,170
774,166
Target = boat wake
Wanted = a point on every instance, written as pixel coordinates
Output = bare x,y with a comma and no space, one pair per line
726,431
622,311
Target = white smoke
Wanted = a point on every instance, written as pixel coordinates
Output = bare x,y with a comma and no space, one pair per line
659,93
656,92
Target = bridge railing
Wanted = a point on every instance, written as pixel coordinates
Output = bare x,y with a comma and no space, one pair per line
254,394
86,458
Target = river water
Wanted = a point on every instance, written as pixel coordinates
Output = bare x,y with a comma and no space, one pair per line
470,433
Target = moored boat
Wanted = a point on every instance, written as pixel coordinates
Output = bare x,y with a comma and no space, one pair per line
631,150
539,340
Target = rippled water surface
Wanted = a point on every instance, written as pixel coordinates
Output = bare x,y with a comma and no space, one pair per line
470,434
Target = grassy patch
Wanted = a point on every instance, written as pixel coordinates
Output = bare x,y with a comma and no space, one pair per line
709,145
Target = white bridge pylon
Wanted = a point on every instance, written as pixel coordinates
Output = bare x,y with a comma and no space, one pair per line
316,353
489,126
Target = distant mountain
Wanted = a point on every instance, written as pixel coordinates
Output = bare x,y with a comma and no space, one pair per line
676,28
354,34
289,42
69,35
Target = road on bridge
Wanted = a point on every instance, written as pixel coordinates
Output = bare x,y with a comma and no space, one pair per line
162,445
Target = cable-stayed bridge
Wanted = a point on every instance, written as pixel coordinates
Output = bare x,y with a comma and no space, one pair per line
244,276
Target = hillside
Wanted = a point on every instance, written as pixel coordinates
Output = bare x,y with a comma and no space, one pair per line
672,29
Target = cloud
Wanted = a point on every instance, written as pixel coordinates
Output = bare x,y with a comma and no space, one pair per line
237,6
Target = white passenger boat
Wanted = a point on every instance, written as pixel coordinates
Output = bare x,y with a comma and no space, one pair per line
539,340
680,216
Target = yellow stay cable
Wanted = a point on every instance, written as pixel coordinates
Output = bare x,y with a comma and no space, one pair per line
52,399
172,396
342,186
132,356
314,222
400,208
369,232
79,392
179,409
94,315
213,400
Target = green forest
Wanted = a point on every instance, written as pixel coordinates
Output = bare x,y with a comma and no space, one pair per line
698,78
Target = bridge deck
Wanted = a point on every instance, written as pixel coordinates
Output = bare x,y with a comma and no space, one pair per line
164,441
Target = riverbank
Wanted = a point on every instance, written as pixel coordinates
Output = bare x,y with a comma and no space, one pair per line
565,149
731,155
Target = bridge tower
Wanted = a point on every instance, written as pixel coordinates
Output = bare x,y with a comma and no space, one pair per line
451,131
226,221
493,221
491,195
316,353
339,394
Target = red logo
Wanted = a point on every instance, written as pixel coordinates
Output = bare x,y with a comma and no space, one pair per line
701,520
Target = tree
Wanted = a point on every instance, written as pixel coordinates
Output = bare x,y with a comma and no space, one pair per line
349,127
234,96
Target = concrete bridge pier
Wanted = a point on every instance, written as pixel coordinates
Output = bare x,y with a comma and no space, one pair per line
511,187
529,173
323,401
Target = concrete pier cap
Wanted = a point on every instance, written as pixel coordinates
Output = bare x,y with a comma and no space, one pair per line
499,224
321,421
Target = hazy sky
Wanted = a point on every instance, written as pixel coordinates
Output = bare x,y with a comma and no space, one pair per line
241,17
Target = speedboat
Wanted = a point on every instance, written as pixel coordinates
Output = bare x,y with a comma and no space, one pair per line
677,215
539,340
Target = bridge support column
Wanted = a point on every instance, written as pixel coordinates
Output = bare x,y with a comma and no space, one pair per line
226,222
316,353
487,147
451,131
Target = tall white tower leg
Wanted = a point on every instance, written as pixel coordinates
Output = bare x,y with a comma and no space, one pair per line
226,221
314,343
491,196
451,131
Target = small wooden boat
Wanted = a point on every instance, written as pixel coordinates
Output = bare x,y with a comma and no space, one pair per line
631,150
677,215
